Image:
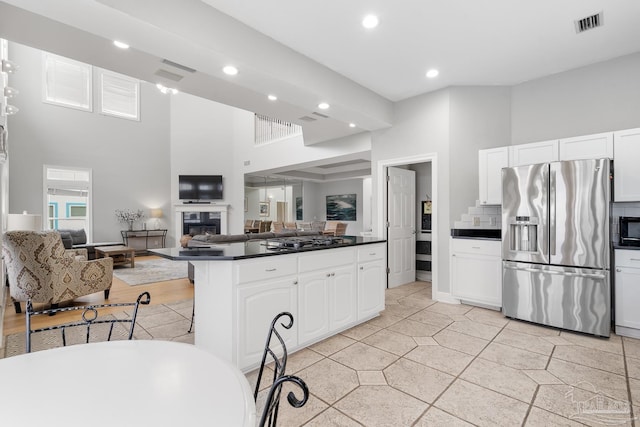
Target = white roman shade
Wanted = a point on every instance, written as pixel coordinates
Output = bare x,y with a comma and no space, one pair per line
120,95
67,82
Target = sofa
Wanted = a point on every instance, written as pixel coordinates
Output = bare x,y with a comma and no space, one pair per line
206,240
77,239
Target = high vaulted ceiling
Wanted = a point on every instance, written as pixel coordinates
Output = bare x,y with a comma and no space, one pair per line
307,52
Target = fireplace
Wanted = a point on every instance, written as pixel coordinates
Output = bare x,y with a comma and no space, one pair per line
200,223
191,218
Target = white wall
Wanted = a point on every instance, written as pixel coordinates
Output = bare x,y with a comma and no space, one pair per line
203,137
593,99
479,118
129,159
421,127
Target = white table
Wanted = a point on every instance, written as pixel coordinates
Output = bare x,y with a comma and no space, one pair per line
126,383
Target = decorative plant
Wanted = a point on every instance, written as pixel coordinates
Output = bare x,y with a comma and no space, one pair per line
129,216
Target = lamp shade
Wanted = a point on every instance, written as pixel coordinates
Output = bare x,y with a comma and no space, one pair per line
156,213
24,222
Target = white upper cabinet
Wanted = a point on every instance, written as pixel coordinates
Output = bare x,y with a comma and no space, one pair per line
587,147
490,164
626,150
533,153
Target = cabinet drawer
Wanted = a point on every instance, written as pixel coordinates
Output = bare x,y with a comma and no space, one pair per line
483,247
370,252
323,259
627,258
272,267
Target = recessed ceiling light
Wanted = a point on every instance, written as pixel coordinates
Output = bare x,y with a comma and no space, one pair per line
352,125
162,88
370,21
121,45
323,106
432,73
272,98
230,70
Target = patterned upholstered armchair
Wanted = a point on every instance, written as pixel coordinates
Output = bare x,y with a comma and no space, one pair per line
38,267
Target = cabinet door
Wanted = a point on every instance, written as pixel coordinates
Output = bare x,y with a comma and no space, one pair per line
257,306
534,153
342,297
627,297
477,278
371,284
626,153
313,305
587,147
490,164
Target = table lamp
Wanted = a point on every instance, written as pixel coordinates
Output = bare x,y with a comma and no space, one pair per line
24,222
156,214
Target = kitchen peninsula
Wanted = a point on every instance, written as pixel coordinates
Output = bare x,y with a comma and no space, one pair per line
240,287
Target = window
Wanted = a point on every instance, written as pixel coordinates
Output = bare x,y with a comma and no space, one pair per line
120,95
53,215
76,210
71,188
67,82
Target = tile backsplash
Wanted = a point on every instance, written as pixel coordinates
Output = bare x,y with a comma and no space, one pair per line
481,217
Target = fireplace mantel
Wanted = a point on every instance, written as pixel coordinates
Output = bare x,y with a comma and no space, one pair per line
180,208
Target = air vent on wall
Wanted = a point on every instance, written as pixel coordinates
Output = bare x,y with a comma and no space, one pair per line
307,119
169,75
179,66
588,23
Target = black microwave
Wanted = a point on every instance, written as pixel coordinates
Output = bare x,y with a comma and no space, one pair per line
629,231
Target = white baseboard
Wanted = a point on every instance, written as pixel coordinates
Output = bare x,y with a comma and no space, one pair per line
445,297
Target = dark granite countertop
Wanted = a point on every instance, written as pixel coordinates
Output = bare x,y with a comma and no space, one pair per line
251,249
476,233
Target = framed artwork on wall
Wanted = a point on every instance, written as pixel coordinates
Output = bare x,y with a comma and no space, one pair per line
264,208
298,208
341,207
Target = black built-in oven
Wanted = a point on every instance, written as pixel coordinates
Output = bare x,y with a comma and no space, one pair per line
629,231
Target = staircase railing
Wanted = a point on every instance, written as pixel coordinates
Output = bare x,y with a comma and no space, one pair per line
269,130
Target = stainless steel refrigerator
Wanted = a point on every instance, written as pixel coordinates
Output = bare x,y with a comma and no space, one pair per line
556,246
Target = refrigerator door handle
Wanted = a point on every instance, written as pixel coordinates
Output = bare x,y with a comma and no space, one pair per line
529,269
552,211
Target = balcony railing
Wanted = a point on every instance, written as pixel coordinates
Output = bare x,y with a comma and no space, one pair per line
269,130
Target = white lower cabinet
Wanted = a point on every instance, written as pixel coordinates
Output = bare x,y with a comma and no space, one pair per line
627,293
371,280
476,272
258,304
326,291
326,301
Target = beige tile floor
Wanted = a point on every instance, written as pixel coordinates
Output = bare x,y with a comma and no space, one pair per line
425,363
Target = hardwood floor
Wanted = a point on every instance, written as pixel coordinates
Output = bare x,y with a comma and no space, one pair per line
161,293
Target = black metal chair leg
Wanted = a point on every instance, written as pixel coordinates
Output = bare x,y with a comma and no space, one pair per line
16,305
106,293
193,313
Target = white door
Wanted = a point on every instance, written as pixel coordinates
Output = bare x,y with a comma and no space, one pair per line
401,232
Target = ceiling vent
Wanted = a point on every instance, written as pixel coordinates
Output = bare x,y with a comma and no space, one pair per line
307,119
588,23
168,75
320,115
178,66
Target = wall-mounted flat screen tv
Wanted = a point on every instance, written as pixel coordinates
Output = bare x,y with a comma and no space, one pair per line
200,187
